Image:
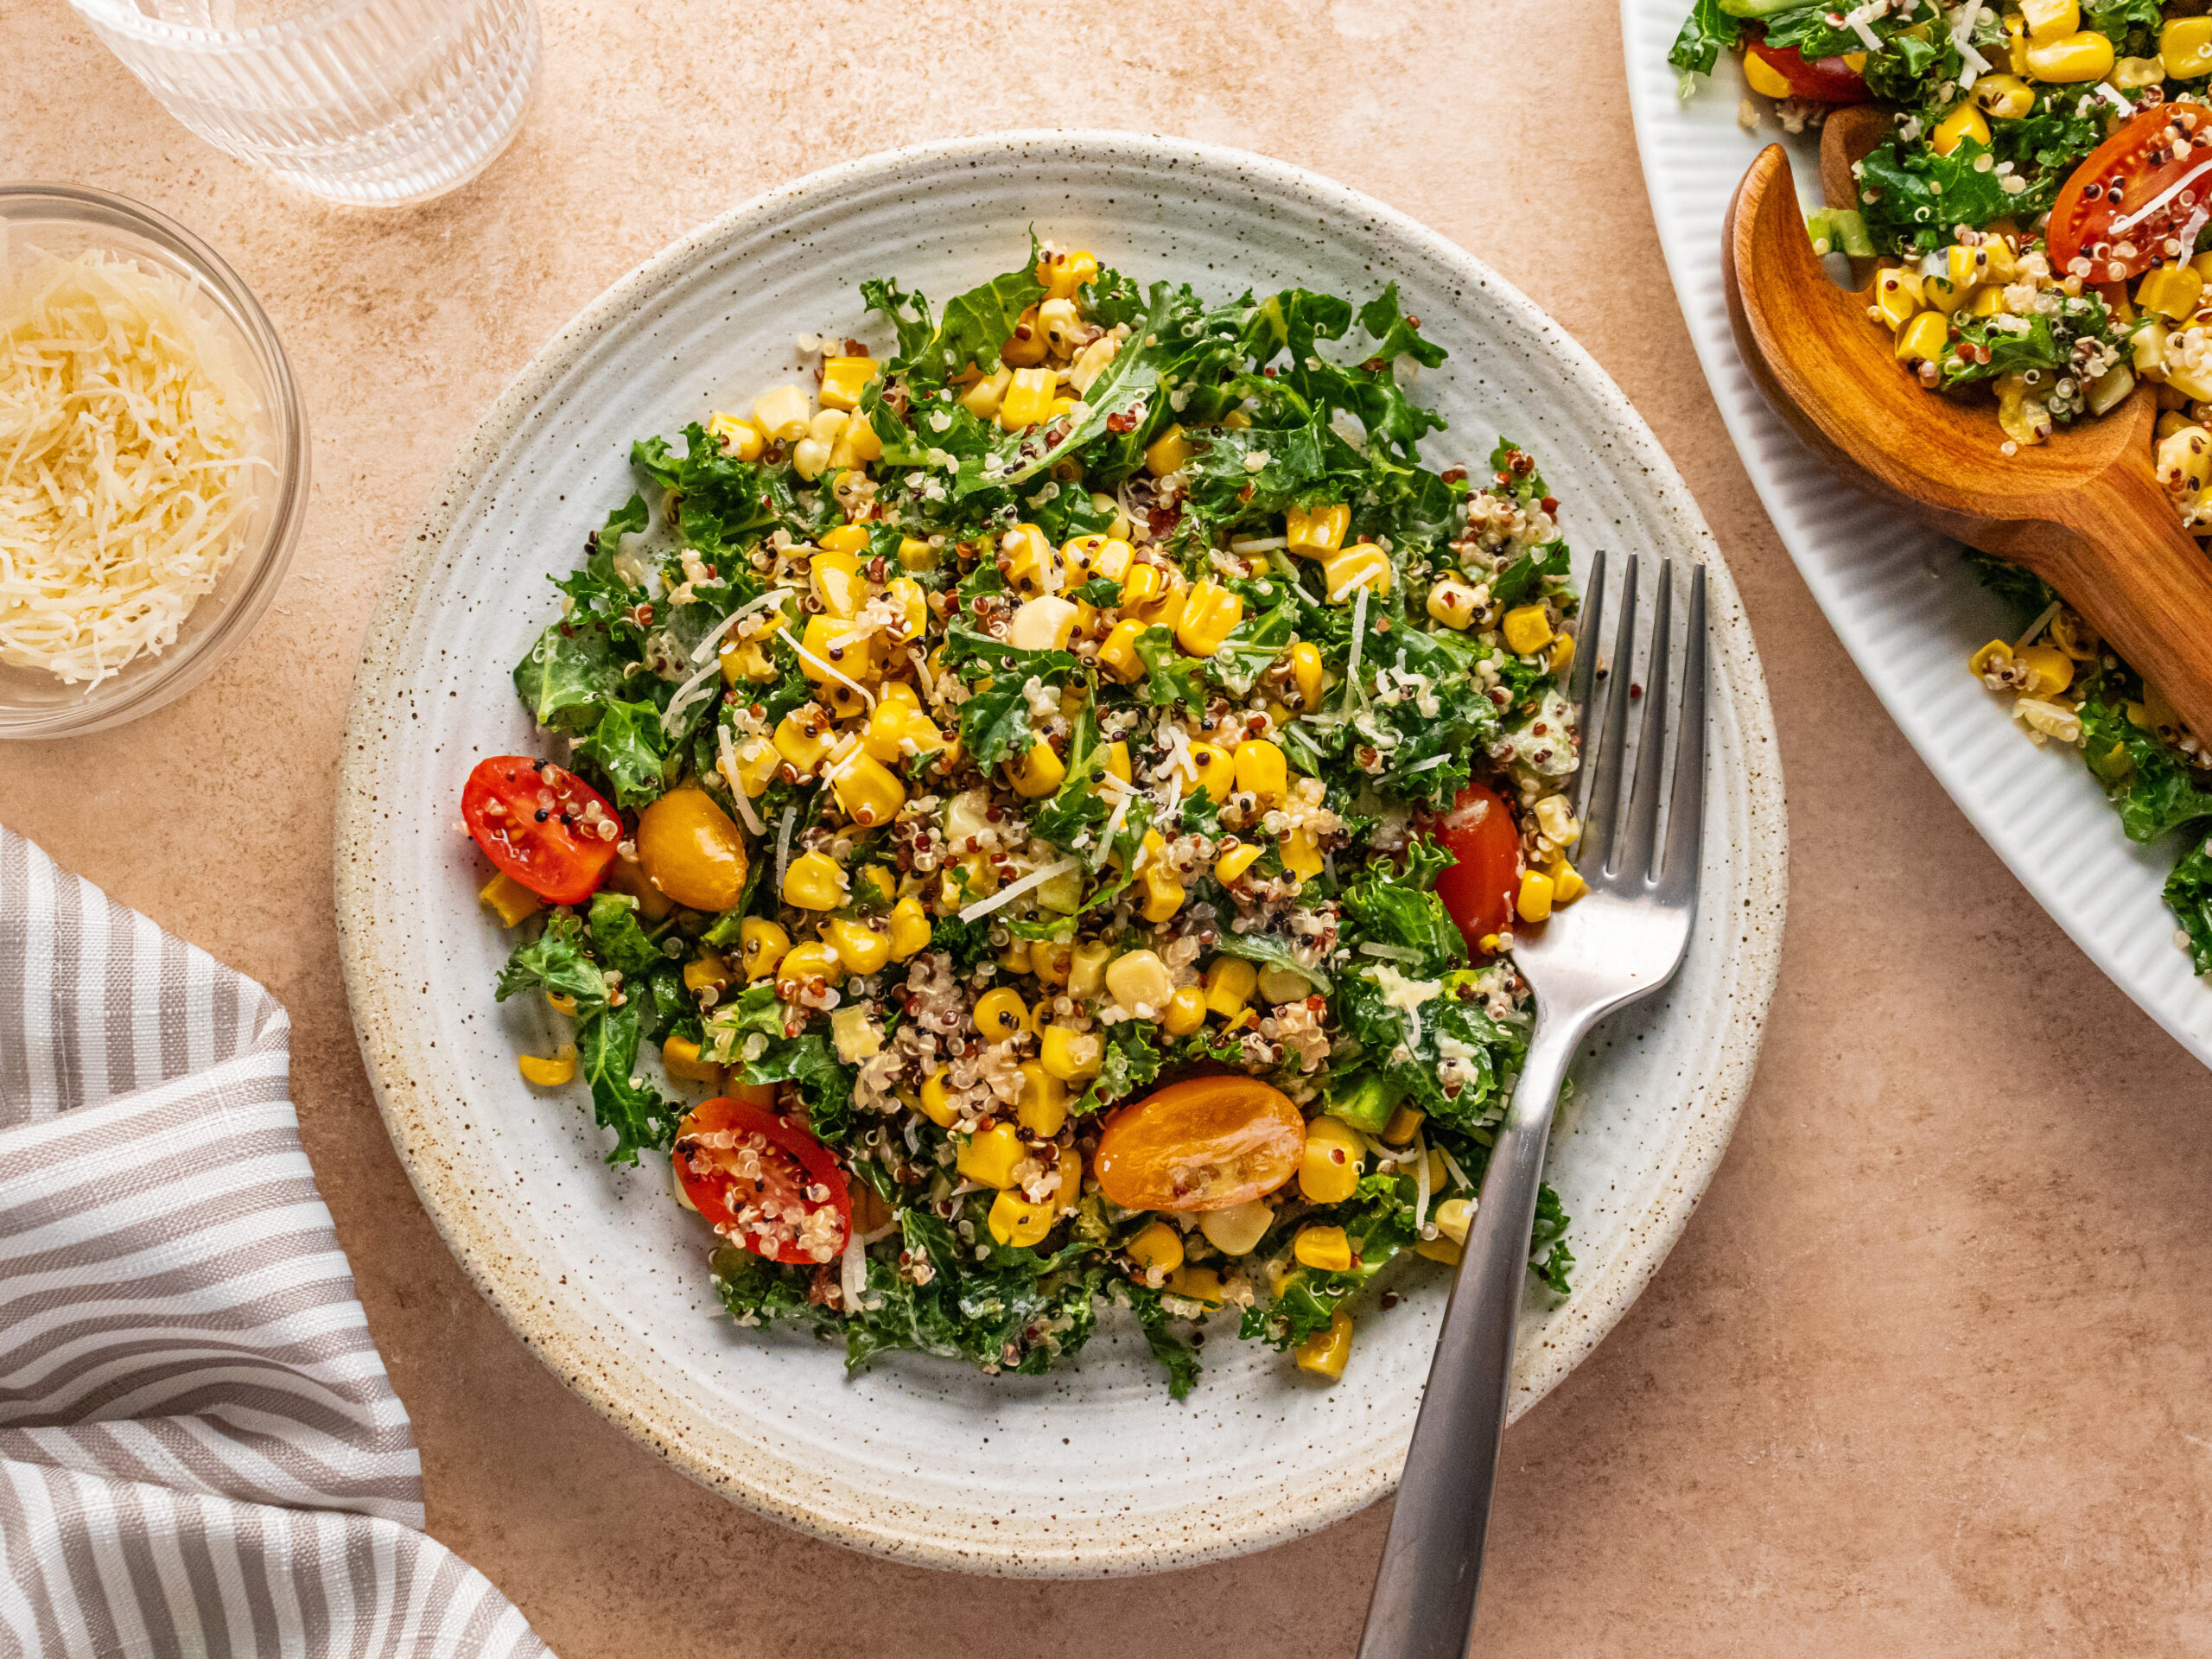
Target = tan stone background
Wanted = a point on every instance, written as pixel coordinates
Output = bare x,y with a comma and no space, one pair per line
1927,1374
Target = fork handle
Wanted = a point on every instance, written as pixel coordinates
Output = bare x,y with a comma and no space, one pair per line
1423,1606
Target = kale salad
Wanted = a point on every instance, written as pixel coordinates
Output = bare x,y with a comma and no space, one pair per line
1032,816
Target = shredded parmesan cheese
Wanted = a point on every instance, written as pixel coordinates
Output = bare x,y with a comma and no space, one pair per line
728,761
1014,889
867,695
128,444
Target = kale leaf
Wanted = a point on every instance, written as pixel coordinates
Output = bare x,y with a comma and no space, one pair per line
606,1035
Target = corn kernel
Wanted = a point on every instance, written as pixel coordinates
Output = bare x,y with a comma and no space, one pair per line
857,444
511,901
1965,121
2185,47
2007,96
1159,1246
1896,295
549,1073
1317,531
1199,1285
1453,1218
2083,56
761,945
1451,602
1567,884
935,1101
2050,670
1140,979
1527,629
1014,1221
983,399
1039,773
862,947
1334,1159
988,1157
1763,78
1049,962
868,791
1994,655
813,881
1169,453
1562,653
2050,20
1063,274
843,379
1986,302
2171,291
1087,968
1922,340
1301,854
1215,773
1306,674
1231,865
1405,1123
783,414
836,577
1071,1056
910,929
1262,769
709,972
1325,1249
805,963
1210,614
1028,399
1163,893
1229,983
1118,654
738,436
1001,1014
1362,565
679,1057
1534,902
1237,1230
1186,1012
1327,1353
1025,347
1043,1106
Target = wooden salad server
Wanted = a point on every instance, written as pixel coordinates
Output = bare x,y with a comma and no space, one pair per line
2083,510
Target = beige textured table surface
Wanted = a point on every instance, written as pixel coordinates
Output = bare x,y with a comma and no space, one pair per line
1928,1371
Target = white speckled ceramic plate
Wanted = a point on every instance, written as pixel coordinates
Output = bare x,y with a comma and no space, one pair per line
1091,1470
1899,596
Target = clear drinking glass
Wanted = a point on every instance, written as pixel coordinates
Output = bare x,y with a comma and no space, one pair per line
369,101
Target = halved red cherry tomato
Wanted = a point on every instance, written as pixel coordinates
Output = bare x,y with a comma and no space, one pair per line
763,1182
1479,888
538,823
1826,80
2123,205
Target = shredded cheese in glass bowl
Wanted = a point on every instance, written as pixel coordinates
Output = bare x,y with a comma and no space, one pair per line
153,461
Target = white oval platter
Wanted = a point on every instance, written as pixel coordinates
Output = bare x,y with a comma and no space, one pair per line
1899,597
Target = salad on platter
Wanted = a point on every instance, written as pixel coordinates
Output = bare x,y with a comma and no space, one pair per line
1056,794
2028,185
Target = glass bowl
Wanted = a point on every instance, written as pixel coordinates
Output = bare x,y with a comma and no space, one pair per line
65,220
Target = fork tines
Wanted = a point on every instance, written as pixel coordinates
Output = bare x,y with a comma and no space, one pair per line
1619,799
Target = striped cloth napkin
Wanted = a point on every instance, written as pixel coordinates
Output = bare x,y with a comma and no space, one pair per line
199,1451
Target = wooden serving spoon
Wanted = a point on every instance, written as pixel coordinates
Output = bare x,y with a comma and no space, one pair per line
2083,510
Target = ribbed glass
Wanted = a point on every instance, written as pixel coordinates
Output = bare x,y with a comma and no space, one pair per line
369,101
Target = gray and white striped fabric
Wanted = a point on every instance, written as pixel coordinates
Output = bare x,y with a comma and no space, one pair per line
199,1451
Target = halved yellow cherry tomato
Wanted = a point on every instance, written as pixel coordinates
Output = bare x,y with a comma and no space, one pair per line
690,849
1206,1143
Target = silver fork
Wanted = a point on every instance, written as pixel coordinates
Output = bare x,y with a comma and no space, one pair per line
1622,941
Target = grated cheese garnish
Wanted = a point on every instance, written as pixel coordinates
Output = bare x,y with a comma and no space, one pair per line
127,443
1014,889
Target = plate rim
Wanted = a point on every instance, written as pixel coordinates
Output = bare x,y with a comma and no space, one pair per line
400,1099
